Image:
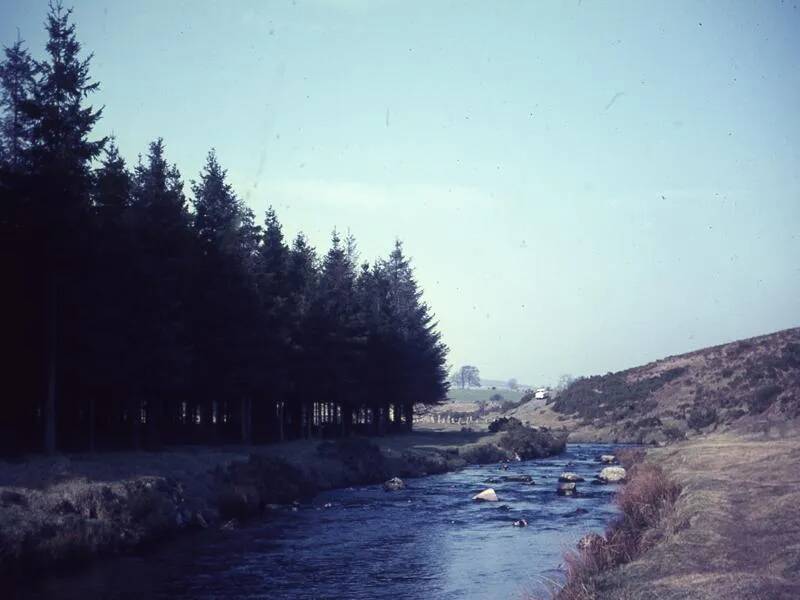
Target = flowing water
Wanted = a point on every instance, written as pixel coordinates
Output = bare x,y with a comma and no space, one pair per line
429,541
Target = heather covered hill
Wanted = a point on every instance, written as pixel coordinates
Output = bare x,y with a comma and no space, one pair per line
751,384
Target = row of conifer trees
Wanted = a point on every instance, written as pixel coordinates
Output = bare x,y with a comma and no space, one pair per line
138,313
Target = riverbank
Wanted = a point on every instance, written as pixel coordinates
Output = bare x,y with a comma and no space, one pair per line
731,533
62,510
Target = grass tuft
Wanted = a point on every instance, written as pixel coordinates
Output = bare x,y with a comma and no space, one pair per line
644,501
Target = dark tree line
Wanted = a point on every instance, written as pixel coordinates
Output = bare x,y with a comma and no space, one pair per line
135,314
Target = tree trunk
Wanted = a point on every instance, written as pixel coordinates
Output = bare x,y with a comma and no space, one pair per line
347,420
247,420
408,413
134,414
49,413
281,419
91,423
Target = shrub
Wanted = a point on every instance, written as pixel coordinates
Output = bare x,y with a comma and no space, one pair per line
644,501
763,397
482,454
532,443
504,424
701,416
674,433
628,457
646,496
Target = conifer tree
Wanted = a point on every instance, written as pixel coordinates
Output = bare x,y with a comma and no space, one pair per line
60,154
17,80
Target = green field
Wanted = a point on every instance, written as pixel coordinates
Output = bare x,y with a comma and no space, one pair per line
476,394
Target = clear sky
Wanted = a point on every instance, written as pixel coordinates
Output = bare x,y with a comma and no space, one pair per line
583,186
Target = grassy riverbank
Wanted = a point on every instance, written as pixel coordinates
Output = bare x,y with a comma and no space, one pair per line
731,533
61,510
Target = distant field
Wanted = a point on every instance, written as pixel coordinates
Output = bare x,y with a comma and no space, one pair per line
476,394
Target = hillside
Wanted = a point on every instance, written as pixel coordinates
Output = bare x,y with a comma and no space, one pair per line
749,385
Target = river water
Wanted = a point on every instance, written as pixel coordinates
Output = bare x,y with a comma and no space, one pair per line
429,541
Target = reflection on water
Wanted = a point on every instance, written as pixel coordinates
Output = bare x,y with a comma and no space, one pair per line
428,541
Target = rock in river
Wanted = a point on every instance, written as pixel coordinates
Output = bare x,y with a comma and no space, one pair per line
486,496
394,484
521,523
608,459
518,478
570,478
612,474
567,488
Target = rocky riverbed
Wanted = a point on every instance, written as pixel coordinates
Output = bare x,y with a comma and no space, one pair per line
425,539
69,509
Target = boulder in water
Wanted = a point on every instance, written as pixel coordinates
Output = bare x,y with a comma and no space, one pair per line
569,477
487,495
518,478
608,459
612,474
521,523
567,488
394,484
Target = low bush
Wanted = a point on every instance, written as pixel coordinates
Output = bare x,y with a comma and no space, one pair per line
504,424
628,457
644,501
701,416
763,398
529,443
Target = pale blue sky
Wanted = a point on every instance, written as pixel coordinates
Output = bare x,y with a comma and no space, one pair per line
583,186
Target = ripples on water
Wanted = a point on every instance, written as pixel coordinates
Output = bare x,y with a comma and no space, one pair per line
429,541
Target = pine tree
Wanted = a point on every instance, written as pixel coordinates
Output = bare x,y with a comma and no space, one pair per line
421,362
304,355
60,154
217,211
19,260
163,251
112,188
17,78
226,315
106,319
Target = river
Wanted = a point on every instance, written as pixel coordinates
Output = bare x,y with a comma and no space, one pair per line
429,541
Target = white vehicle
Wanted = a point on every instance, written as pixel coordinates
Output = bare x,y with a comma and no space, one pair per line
541,394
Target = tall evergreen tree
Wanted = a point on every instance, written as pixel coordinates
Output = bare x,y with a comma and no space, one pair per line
60,154
112,188
17,81
226,305
22,285
163,249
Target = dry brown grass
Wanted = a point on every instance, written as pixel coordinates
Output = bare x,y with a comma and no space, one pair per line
732,533
644,502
